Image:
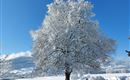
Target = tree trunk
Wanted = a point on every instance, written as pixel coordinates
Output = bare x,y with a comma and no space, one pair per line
67,75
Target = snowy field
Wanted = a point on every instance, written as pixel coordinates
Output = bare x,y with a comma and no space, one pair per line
105,76
46,78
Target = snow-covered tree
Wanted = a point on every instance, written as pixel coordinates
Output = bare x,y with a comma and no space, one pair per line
5,66
69,39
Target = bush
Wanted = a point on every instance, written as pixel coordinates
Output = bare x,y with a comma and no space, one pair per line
123,78
97,78
84,78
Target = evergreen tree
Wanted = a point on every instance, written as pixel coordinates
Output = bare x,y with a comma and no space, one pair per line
127,50
5,66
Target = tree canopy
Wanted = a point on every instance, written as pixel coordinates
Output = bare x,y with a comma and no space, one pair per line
70,39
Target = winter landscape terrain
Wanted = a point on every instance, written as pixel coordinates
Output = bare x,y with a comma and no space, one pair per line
23,66
92,77
68,45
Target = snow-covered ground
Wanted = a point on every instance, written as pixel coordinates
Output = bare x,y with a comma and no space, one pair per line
105,76
22,71
111,76
23,64
46,78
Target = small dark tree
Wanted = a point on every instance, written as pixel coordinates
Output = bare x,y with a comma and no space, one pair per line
127,50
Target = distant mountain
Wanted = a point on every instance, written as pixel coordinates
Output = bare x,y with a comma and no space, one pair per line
22,64
19,60
117,66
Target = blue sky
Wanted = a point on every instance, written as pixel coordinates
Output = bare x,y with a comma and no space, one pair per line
21,16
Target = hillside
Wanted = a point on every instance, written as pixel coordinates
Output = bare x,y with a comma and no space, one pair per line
22,65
